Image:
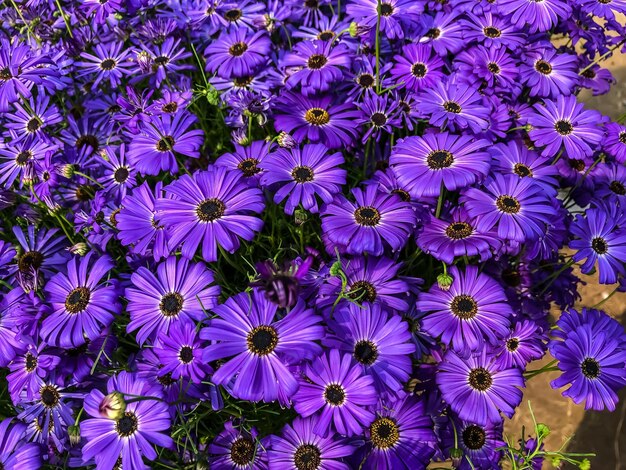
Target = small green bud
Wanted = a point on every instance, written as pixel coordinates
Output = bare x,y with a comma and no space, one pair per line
542,430
79,249
336,268
353,29
444,281
74,433
300,217
456,455
585,464
68,170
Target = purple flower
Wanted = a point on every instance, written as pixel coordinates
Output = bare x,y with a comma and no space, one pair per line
33,120
15,452
418,68
492,30
337,393
28,371
425,164
82,303
394,14
281,284
477,390
238,448
374,222
180,351
548,74
17,160
164,60
237,53
615,141
259,346
523,345
180,292
109,62
478,442
247,159
302,175
118,176
210,208
380,113
538,16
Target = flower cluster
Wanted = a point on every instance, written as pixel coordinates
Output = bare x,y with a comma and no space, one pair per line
287,234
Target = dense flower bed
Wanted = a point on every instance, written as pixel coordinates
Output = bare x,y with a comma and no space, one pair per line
302,234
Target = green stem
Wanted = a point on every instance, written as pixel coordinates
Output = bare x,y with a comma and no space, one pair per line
378,84
65,20
440,201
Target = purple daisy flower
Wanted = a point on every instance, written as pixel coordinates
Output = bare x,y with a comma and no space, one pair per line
210,208
10,342
394,14
565,123
238,449
82,303
109,62
302,175
29,370
443,32
119,176
523,345
337,393
615,141
317,119
477,390
380,114
282,284
519,207
260,346
129,436
418,68
153,149
18,159
180,292
164,60
380,342
180,351
247,159
237,53
299,447
15,452
375,221
426,164
538,16
493,31
473,309
33,120
478,442
548,74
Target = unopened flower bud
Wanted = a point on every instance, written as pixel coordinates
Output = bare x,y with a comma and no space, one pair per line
585,464
68,170
145,61
456,455
444,281
78,249
542,430
286,141
74,433
300,217
336,268
112,406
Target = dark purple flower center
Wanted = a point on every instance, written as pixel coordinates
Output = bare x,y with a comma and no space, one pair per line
419,70
406,197
367,216
127,424
249,167
362,291
334,394
622,137
512,344
302,174
233,15
366,80
121,175
238,49
491,32
576,164
161,60
439,159
108,64
77,300
166,380
617,187
378,119
210,210
166,144
589,73
384,433
79,351
522,170
49,396
30,260
242,82
452,107
170,107
385,9
493,68
88,139
23,157
508,204
114,108
30,362
186,354
511,277
171,304
543,67
590,368
480,379
459,230
474,437
307,457
317,116
365,352
605,2
311,3
563,127
599,245
5,73
326,35
317,61
33,125
242,451
262,340
433,33
464,307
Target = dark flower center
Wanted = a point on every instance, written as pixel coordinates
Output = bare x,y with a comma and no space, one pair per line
113,216
590,368
433,33
378,119
384,433
599,245
459,230
23,157
511,277
366,80
326,35
126,425
262,340
563,127
88,139
243,82
605,2
365,352
233,15
30,260
493,67
474,437
589,73
161,60
464,307
439,159
5,73
249,167
522,170
114,108
452,107
307,457
30,362
491,32
121,174
617,188
508,204
238,49
317,116
108,64
79,351
170,107
77,300
543,67
210,210
419,70
512,344
33,125
302,174
385,9
317,61
576,164
311,3
186,354
367,216
480,379
334,394
622,137
166,380
362,291
242,451
171,304
49,396
165,144
406,197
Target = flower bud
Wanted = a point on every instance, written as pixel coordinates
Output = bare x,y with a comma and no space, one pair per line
286,141
444,281
74,433
585,464
78,249
300,217
68,170
112,406
456,455
542,430
336,268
